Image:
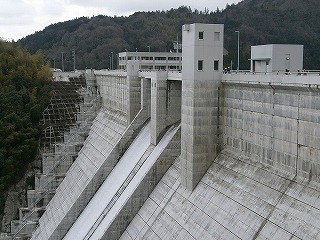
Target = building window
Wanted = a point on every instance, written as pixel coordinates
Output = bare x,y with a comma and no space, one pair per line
200,35
216,65
200,65
160,58
173,58
217,36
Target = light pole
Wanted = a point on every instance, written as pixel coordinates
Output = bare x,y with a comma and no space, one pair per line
126,58
238,50
148,47
117,59
74,59
111,60
62,64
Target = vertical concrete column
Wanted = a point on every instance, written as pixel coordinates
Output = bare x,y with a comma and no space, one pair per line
91,82
202,55
158,105
134,90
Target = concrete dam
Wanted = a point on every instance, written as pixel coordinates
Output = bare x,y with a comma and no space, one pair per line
200,154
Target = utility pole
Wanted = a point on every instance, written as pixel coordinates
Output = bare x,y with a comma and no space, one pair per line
74,59
117,59
177,46
238,50
62,65
177,43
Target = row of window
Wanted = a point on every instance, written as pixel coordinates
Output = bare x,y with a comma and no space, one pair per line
151,58
216,36
215,65
151,67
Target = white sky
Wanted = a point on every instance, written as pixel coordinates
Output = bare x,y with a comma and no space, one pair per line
19,18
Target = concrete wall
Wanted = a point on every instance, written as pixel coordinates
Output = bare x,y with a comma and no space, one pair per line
120,90
114,92
276,124
165,104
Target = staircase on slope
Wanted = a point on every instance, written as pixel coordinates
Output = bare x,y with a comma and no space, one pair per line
67,122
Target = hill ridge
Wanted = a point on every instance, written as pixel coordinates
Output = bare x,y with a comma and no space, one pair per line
259,21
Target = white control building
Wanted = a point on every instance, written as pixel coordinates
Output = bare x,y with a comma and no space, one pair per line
277,58
169,61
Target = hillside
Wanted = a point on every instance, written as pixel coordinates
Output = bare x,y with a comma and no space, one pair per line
24,94
259,22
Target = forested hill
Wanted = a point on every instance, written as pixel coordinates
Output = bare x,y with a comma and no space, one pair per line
259,22
25,91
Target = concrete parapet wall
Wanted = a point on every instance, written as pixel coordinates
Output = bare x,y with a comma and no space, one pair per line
277,124
294,78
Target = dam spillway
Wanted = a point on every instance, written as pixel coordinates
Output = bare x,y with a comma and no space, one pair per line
92,213
98,215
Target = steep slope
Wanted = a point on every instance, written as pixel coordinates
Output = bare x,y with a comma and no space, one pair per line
236,199
259,22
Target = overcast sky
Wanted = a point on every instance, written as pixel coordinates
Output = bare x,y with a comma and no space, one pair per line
19,18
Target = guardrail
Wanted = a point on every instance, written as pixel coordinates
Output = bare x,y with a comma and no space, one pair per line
297,73
300,78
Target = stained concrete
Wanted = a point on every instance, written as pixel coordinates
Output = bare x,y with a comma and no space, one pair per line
238,198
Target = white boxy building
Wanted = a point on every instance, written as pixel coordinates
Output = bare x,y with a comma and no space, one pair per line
276,58
152,60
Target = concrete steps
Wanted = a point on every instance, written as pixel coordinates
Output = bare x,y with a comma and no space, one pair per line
54,167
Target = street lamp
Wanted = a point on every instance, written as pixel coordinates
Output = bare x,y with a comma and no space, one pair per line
62,64
148,47
238,50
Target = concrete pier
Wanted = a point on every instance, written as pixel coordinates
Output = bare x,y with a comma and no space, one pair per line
203,45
